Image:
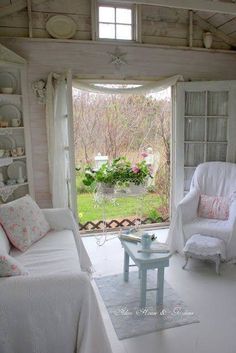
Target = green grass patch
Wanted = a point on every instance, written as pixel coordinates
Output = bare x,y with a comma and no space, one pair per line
119,208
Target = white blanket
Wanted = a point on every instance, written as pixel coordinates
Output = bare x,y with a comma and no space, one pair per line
52,313
54,254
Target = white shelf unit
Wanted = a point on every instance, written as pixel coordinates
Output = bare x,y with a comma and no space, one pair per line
17,136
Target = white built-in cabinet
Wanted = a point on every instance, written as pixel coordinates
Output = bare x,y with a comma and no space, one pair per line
205,128
16,177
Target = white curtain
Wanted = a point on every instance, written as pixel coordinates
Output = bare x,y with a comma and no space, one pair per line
57,127
57,137
143,88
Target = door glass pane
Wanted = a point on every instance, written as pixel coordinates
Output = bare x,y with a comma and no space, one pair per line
188,174
124,16
217,103
106,14
124,32
194,129
106,31
216,130
193,154
195,103
216,152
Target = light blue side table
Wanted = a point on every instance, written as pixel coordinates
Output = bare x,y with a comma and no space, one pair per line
145,262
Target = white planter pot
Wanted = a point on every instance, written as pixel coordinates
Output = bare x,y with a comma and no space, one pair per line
106,188
207,39
136,189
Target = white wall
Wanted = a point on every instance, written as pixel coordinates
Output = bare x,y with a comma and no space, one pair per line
93,60
159,25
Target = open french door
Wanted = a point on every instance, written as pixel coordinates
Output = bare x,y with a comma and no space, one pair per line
204,129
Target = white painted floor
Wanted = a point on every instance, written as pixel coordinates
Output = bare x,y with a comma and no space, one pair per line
211,297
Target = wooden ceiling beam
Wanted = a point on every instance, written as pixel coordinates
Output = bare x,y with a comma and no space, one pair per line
207,26
16,6
196,5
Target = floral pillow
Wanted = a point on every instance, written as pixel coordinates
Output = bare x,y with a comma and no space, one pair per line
9,266
4,241
23,222
214,207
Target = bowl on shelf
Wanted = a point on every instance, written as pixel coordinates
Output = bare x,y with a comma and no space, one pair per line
11,181
4,123
7,90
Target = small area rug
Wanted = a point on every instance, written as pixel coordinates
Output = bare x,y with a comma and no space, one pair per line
122,302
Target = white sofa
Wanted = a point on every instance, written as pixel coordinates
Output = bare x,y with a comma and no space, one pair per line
54,307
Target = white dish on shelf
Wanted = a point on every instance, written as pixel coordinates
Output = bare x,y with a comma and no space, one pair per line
7,90
7,143
9,112
61,27
8,80
13,171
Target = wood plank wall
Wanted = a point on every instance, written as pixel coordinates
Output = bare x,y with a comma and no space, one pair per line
159,25
166,26
16,25
93,60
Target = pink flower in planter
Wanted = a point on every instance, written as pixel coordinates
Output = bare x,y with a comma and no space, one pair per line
144,154
135,169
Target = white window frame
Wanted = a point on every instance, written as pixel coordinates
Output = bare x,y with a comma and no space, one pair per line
95,20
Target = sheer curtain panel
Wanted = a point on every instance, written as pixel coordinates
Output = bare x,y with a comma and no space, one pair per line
57,137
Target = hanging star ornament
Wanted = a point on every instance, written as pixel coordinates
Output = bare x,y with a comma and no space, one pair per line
117,58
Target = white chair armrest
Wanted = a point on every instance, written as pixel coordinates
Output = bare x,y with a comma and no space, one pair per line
189,205
232,213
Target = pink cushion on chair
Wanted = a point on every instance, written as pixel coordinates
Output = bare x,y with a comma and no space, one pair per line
23,222
214,207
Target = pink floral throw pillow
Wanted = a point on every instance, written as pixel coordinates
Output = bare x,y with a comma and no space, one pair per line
214,207
10,267
23,222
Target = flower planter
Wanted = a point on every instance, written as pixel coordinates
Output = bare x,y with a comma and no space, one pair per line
106,188
136,189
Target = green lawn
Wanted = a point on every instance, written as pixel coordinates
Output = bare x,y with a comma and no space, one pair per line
124,207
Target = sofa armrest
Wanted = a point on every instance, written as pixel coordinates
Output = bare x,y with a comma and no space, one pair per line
63,218
59,218
189,205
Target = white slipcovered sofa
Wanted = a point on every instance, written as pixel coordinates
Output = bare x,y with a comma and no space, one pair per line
54,307
212,179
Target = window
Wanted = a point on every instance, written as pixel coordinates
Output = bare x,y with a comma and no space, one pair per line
115,22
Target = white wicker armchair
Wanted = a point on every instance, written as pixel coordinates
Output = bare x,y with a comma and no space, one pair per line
213,179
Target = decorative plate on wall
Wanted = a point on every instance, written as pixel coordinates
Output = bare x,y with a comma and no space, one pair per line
61,27
7,79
